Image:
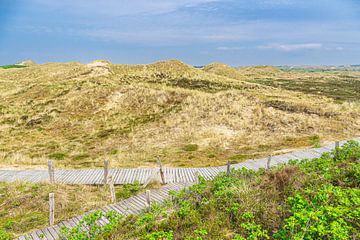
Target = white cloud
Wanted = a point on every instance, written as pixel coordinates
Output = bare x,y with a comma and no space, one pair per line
292,47
223,48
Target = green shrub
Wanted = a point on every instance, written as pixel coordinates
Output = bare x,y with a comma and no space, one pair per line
95,231
329,213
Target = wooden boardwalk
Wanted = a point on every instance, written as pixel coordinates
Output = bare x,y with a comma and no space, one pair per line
131,206
141,175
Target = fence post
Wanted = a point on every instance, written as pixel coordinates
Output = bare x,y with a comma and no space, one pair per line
268,162
112,189
51,171
337,145
51,208
148,200
196,175
106,171
228,168
161,170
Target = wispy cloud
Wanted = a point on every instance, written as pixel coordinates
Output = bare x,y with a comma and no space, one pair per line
223,48
292,47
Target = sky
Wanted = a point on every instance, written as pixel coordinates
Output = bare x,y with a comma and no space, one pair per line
198,32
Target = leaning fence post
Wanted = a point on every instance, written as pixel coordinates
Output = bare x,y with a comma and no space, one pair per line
268,162
51,171
106,171
228,168
112,189
147,197
161,170
51,208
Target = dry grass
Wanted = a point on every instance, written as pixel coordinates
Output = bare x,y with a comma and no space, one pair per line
80,114
24,206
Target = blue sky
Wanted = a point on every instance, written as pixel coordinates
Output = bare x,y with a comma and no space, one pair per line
236,32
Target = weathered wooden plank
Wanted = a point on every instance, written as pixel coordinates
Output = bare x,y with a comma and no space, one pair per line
53,232
47,234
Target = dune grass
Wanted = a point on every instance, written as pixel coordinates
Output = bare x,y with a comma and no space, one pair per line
24,206
78,115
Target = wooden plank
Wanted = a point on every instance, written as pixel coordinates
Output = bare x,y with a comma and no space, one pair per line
116,176
126,176
35,236
121,176
53,232
81,176
66,175
47,234
89,176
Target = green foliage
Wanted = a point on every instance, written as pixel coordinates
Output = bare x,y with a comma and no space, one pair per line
160,236
185,208
94,230
128,190
253,230
330,213
4,235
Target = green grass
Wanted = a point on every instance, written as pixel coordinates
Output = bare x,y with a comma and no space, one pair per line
308,199
12,66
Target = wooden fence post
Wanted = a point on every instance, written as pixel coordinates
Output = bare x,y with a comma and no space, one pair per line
196,175
51,171
112,189
106,171
268,162
161,170
337,145
228,169
51,208
148,198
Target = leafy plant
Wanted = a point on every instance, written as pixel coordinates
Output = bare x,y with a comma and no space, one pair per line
93,229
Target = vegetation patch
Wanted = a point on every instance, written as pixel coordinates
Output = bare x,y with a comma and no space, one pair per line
24,206
307,199
191,147
12,66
